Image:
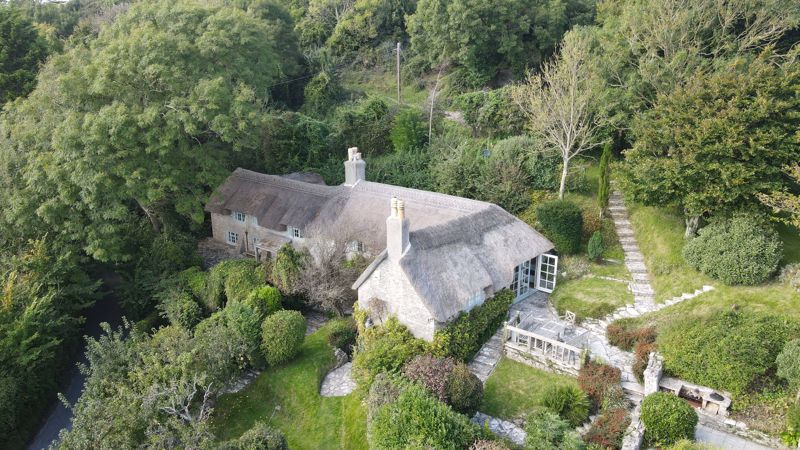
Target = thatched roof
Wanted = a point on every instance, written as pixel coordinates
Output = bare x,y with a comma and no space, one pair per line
458,246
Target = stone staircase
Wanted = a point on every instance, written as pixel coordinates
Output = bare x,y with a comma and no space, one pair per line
484,362
643,293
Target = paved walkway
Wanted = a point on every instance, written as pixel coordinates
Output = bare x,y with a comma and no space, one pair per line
500,427
314,321
726,441
338,382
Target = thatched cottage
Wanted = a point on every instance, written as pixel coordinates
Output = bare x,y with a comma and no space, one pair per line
435,255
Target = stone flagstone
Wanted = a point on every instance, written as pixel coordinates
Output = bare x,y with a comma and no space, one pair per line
502,428
338,382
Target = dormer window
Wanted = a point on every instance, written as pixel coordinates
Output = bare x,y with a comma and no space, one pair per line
239,216
295,232
355,247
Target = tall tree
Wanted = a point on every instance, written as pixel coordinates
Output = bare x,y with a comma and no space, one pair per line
786,201
604,183
22,51
560,103
715,144
145,120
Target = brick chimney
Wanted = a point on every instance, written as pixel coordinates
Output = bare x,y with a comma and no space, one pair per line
397,230
354,167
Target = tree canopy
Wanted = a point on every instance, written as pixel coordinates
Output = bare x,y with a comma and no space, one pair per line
22,50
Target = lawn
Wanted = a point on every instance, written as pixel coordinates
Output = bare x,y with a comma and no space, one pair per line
384,85
514,389
590,296
287,398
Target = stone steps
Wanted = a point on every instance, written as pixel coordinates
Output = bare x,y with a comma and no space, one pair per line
484,362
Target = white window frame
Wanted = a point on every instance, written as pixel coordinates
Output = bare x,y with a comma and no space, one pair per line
239,216
232,237
355,247
546,272
295,233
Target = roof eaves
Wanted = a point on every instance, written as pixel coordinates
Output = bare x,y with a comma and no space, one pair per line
370,268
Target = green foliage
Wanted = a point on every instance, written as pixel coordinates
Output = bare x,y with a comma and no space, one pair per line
384,348
739,250
370,22
294,142
139,124
242,278
384,390
282,335
609,429
626,338
409,132
711,146
463,337
194,279
604,181
366,124
285,271
23,51
181,309
260,437
791,435
547,431
788,363
417,420
465,33
725,350
595,247
265,299
569,402
343,334
504,174
227,342
412,169
491,113
464,390
322,93
596,379
667,419
562,223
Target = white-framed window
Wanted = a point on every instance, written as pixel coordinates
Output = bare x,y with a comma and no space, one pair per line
295,232
355,247
239,216
232,237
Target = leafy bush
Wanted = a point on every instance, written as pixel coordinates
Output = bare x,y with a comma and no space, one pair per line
504,178
242,279
285,270
791,435
641,358
788,362
562,223
569,402
546,431
484,444
194,279
626,339
790,276
595,247
181,309
595,379
384,348
417,420
591,224
260,437
296,141
322,93
409,132
464,390
265,299
384,390
725,350
609,429
431,372
739,250
343,334
544,169
365,124
216,332
667,419
282,336
462,338
491,113
411,169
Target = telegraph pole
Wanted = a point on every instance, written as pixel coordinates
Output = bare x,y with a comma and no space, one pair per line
398,74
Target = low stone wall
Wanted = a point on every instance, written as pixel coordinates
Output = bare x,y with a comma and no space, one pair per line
740,429
634,435
539,362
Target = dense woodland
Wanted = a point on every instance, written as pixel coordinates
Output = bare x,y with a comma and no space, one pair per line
120,118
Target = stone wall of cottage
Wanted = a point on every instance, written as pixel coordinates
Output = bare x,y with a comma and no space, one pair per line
389,284
221,224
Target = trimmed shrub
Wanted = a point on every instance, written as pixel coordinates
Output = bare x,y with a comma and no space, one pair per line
569,402
431,372
282,336
562,222
384,348
242,279
195,281
609,429
626,339
246,322
641,358
384,390
464,390
409,131
740,250
343,334
417,420
546,431
595,247
788,362
667,419
285,271
462,338
181,309
725,350
260,437
595,379
266,300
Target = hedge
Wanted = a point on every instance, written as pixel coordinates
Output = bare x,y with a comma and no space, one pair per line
667,419
384,348
260,437
562,222
266,300
545,430
596,378
609,429
282,336
739,250
462,338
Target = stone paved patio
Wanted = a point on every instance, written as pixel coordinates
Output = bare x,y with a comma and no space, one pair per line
338,382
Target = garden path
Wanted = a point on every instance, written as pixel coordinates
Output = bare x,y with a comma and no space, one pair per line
338,382
500,427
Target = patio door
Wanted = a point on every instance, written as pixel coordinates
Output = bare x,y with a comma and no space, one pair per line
546,272
523,275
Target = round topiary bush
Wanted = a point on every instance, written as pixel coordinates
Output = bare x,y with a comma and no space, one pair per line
343,335
181,309
464,390
266,300
431,372
569,402
282,335
562,223
740,250
667,419
260,437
